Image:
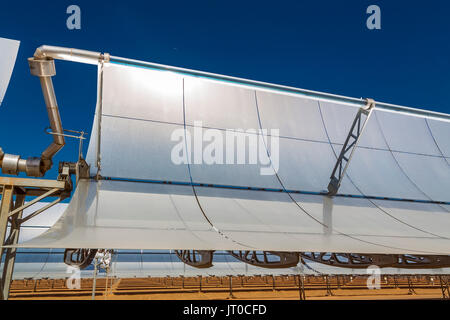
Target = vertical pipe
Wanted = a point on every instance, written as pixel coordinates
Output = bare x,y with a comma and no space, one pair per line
231,296
273,283
53,116
301,288
94,283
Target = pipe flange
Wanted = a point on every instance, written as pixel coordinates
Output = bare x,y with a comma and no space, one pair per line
370,103
42,67
105,57
33,167
10,164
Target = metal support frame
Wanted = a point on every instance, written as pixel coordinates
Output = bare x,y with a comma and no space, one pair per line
196,258
329,292
10,253
267,259
230,284
301,288
14,191
6,205
349,260
349,147
80,258
275,259
359,260
273,282
445,287
411,290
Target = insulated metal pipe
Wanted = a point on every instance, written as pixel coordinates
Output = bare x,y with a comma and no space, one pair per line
54,118
70,54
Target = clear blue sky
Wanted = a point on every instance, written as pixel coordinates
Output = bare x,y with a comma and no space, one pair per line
318,45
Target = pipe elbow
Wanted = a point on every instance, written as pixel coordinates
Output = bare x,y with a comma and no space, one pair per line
70,54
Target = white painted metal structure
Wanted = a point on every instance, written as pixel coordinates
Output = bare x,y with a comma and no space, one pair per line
42,263
145,201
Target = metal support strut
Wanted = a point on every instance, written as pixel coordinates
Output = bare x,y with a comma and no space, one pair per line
267,259
196,258
445,287
301,287
13,192
349,147
360,260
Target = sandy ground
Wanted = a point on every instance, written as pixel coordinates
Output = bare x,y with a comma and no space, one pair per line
217,288
384,294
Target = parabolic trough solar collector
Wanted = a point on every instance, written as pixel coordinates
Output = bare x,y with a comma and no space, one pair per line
150,189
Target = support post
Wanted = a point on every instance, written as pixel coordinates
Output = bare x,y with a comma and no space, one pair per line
301,288
11,212
273,283
94,282
230,295
10,255
329,292
410,286
5,208
444,288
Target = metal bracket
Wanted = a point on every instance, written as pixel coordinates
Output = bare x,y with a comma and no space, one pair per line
196,258
79,168
80,137
104,258
359,260
349,146
422,262
267,259
349,260
80,258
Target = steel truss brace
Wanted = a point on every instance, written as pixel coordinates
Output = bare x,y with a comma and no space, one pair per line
422,262
348,260
267,259
35,200
349,146
196,258
13,193
264,259
8,204
357,260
